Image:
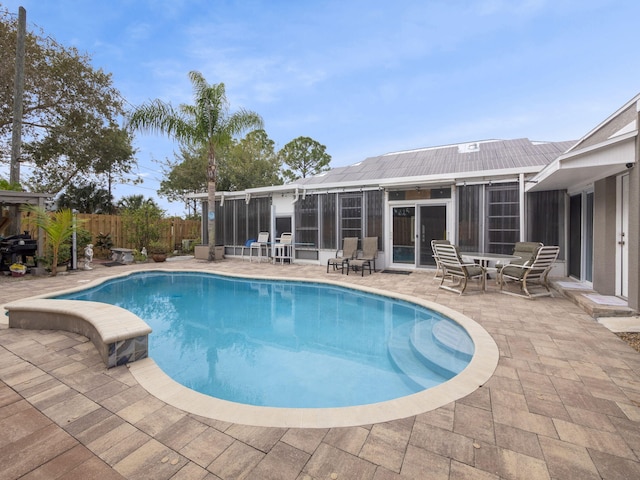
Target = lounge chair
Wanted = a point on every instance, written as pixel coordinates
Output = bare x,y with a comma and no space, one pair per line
535,271
439,271
369,254
453,266
349,250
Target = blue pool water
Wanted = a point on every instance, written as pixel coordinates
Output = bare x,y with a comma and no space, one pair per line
288,344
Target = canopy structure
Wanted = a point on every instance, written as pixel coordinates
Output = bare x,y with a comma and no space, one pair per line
9,198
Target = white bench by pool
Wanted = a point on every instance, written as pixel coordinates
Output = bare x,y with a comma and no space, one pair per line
120,336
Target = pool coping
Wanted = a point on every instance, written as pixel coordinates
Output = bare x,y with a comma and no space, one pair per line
158,383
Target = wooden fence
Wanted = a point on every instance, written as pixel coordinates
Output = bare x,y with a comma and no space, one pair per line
172,230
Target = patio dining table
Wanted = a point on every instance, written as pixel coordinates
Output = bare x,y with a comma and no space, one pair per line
484,259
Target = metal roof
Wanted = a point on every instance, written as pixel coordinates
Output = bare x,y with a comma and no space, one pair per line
449,160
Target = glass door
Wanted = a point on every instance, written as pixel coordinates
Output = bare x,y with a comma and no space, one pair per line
433,226
575,236
404,235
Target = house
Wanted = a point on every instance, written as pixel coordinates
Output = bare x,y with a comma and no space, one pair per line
471,193
483,196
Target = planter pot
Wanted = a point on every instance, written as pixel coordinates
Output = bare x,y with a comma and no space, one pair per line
159,257
18,274
201,252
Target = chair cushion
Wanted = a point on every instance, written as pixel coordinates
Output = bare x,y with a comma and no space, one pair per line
474,271
527,252
513,271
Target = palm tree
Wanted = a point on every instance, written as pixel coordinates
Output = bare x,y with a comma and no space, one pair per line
206,124
58,226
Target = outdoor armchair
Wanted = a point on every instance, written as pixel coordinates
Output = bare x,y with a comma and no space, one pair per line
369,254
453,266
439,271
527,252
525,275
349,251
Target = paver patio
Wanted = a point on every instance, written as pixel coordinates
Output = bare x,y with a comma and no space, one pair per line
563,403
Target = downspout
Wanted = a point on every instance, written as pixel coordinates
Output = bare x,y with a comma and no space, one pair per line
522,207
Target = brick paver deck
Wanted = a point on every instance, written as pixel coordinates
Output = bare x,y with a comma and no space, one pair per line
563,403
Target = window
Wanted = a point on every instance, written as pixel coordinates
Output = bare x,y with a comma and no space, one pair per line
546,218
258,216
328,220
503,218
469,211
374,204
351,215
307,220
323,220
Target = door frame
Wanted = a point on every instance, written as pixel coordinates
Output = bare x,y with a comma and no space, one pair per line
449,219
622,235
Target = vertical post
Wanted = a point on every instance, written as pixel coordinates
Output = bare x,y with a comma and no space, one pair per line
16,133
74,241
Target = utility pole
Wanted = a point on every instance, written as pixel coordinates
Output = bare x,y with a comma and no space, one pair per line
16,133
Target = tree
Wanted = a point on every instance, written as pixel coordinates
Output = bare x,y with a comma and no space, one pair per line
186,175
70,114
132,202
78,150
305,157
6,185
140,220
250,163
206,124
87,198
247,163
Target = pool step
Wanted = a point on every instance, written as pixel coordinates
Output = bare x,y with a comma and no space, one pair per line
444,349
404,357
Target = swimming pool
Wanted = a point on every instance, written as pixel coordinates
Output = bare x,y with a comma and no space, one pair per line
288,344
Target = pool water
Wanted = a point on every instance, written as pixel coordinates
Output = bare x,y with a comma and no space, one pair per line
288,344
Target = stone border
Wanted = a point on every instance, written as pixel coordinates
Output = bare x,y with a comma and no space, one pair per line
475,375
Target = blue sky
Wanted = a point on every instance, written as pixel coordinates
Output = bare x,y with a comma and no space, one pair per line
364,77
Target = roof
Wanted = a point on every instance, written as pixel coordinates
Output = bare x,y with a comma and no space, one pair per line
446,164
449,160
607,150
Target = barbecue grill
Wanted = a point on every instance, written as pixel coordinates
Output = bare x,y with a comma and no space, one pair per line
16,248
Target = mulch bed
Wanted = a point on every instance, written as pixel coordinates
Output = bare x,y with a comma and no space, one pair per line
632,339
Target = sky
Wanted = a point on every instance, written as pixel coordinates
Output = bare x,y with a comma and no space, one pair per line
362,77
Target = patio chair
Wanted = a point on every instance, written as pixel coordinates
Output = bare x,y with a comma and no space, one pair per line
369,254
439,271
247,247
535,271
453,266
527,252
282,250
349,250
262,241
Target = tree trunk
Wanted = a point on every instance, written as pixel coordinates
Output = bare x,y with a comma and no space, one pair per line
211,199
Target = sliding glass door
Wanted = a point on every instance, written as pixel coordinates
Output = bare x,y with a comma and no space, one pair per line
414,226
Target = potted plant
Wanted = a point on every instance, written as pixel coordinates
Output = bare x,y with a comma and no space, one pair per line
158,251
58,227
18,269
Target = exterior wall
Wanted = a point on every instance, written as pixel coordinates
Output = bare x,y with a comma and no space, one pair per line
604,236
283,204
